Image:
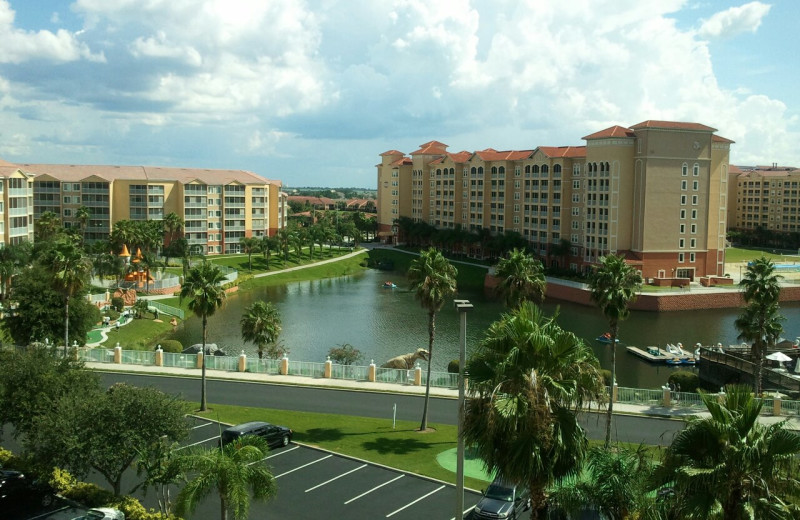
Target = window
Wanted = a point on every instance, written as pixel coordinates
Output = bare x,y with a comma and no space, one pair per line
691,257
680,257
696,170
683,228
683,184
694,214
695,185
576,185
683,200
681,243
685,169
576,198
576,212
694,228
694,200
692,243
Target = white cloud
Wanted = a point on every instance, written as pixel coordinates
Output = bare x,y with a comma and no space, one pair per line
735,21
17,46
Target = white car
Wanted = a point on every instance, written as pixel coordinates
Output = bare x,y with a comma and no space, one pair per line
102,513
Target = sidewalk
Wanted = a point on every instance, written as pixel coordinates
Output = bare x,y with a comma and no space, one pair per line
676,413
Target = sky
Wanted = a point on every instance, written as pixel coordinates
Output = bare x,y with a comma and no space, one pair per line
311,92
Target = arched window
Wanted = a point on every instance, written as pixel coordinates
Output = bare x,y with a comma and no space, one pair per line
494,170
535,168
438,171
557,168
527,168
473,170
502,170
696,170
545,168
480,170
602,167
685,169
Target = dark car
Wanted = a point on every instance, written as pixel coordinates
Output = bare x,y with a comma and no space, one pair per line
274,435
502,499
18,491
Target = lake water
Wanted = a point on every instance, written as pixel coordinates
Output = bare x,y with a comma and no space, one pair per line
383,323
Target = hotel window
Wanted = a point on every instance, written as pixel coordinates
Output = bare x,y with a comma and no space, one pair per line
576,185
681,243
694,200
685,169
694,214
683,185
691,257
694,228
692,243
696,170
695,185
680,257
683,228
683,200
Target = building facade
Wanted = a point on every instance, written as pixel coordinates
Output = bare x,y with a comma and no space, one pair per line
219,207
16,205
767,198
656,192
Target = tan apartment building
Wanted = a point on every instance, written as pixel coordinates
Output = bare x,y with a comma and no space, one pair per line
655,192
16,205
765,197
219,207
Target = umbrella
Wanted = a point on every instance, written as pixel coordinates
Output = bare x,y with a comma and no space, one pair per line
779,356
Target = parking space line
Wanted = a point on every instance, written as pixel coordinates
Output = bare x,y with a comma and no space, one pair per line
415,501
202,425
335,478
373,489
303,466
274,455
464,513
198,442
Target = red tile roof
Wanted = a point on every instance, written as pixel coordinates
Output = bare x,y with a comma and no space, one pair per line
673,125
431,148
732,168
563,151
491,154
314,201
612,131
392,152
78,172
402,161
720,139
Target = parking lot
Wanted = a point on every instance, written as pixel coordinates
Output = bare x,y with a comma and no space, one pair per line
315,484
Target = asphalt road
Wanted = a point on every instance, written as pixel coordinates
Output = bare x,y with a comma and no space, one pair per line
626,428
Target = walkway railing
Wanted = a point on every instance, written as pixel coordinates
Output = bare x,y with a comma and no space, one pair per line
662,398
166,309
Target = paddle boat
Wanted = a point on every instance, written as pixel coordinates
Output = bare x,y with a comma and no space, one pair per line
389,285
605,338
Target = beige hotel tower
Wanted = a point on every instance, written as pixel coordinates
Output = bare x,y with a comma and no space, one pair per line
655,192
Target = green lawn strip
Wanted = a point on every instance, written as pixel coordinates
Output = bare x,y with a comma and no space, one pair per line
276,261
470,277
138,334
374,440
740,254
332,270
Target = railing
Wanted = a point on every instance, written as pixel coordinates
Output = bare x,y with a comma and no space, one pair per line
263,366
137,357
639,396
306,369
180,360
166,309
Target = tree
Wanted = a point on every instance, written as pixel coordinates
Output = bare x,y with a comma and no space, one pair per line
521,278
35,294
760,321
47,226
433,280
234,471
528,380
268,245
33,380
731,466
13,258
71,270
82,215
203,288
173,225
344,354
261,324
613,286
105,430
249,246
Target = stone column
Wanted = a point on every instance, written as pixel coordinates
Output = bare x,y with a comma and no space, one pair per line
200,359
776,406
118,354
243,362
328,368
614,392
417,375
371,371
284,366
159,357
667,396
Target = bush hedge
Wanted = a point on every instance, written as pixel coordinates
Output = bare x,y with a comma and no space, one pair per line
685,380
171,345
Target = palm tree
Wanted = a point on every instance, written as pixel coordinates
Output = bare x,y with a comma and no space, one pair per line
521,278
234,471
249,246
173,224
730,465
760,321
203,287
47,226
268,244
261,324
71,269
82,215
613,286
528,380
284,239
433,279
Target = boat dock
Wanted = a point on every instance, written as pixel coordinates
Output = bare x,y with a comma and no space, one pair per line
651,354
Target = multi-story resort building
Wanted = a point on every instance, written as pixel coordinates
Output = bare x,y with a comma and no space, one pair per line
219,207
656,192
764,198
16,204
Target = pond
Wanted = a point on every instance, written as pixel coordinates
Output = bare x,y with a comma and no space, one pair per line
383,323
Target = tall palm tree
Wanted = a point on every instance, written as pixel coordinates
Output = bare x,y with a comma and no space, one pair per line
613,286
203,288
528,380
173,224
284,238
521,278
249,246
730,465
234,471
71,270
261,324
760,321
47,226
82,215
433,280
268,245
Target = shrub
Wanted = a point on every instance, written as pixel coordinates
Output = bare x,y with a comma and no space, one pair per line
606,375
118,303
171,345
688,381
62,481
6,458
452,366
90,495
344,354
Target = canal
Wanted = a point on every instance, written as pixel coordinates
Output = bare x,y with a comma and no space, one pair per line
383,323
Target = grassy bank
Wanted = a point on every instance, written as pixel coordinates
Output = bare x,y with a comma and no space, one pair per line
470,277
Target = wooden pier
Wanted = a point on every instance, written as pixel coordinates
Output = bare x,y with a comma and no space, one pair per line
651,354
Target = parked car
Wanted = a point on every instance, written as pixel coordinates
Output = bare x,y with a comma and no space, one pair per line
502,499
18,491
102,513
274,435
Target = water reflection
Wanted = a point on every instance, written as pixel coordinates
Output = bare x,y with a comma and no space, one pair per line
384,323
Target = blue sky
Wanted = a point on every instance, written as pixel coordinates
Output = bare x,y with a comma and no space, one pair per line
311,92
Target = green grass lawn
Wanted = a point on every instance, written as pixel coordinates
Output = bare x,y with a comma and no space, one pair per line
739,254
470,277
138,334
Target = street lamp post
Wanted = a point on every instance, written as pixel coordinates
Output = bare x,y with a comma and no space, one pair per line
462,306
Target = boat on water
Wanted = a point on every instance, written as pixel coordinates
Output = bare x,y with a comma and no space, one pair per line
605,338
680,356
389,285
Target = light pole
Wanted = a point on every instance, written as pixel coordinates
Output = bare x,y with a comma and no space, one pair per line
462,306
